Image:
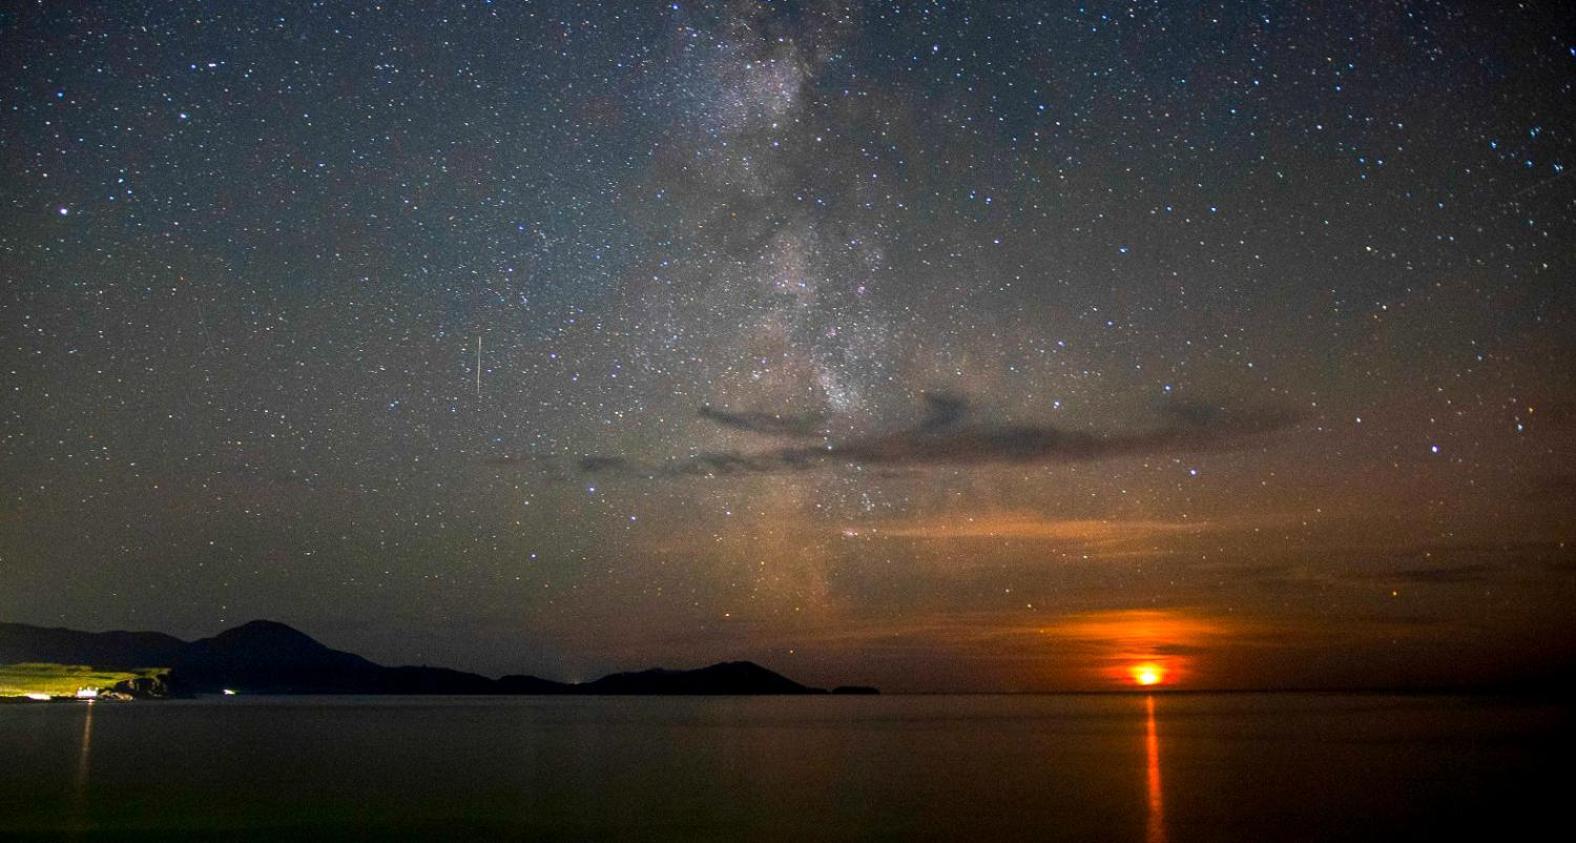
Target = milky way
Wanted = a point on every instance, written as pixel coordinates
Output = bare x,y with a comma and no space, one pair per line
940,345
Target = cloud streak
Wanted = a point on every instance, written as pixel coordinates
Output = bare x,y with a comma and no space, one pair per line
805,424
1032,527
946,436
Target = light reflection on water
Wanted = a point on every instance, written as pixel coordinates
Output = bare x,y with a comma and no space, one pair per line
1237,767
79,781
1155,830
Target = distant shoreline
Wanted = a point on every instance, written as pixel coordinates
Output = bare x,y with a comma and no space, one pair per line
269,658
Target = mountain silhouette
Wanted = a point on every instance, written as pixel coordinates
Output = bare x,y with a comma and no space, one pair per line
267,657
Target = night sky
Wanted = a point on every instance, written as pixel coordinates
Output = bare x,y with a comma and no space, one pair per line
972,346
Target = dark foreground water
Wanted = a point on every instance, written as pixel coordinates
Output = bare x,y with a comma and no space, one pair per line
1170,768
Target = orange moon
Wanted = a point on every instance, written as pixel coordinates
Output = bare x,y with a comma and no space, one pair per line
1147,673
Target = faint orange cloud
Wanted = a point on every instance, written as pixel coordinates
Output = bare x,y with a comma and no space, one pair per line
1021,525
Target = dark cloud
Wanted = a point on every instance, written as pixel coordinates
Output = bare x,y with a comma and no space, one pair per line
805,424
595,464
1471,562
1174,649
945,437
723,463
943,410
1461,561
1443,576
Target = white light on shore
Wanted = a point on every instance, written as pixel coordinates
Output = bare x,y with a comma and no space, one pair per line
229,692
37,696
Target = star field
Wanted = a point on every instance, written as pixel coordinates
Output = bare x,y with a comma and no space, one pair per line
911,342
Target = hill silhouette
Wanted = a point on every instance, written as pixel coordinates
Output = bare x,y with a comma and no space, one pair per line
723,678
267,657
24,643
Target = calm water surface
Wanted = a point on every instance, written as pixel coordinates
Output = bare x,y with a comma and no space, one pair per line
1110,767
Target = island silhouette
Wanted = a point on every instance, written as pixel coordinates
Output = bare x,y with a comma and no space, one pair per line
267,657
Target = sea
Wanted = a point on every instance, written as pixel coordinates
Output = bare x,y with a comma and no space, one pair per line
1097,767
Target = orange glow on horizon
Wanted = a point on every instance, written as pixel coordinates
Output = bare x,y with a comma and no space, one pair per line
1153,649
